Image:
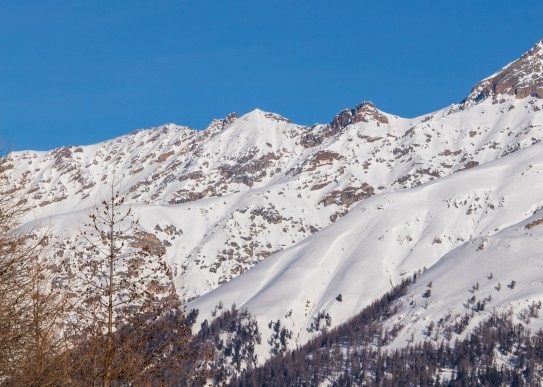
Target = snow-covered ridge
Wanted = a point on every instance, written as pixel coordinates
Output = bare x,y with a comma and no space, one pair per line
521,78
282,218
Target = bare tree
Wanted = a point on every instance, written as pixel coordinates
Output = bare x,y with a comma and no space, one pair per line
14,257
32,348
45,348
128,299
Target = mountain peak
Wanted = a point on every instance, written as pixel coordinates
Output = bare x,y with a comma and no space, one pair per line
365,112
255,112
258,114
521,78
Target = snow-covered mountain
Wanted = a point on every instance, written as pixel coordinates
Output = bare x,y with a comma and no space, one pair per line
302,224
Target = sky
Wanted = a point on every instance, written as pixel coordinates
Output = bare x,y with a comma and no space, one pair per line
81,72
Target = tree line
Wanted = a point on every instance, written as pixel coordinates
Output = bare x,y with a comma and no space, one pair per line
498,352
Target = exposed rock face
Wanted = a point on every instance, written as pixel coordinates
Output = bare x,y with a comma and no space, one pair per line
184,196
220,124
365,112
248,170
349,195
319,159
521,78
269,214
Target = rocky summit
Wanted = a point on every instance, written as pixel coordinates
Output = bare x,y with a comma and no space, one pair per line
521,78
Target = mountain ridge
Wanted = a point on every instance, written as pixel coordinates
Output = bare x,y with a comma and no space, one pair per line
257,210
521,78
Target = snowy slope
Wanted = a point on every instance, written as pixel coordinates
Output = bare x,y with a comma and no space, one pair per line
230,187
281,218
459,227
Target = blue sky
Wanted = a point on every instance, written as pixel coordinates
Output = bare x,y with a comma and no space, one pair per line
80,72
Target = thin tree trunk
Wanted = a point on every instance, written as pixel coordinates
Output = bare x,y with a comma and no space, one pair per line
109,354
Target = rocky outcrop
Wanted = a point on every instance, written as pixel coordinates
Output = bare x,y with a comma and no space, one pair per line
365,112
220,124
185,195
319,159
270,215
521,78
248,170
349,195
